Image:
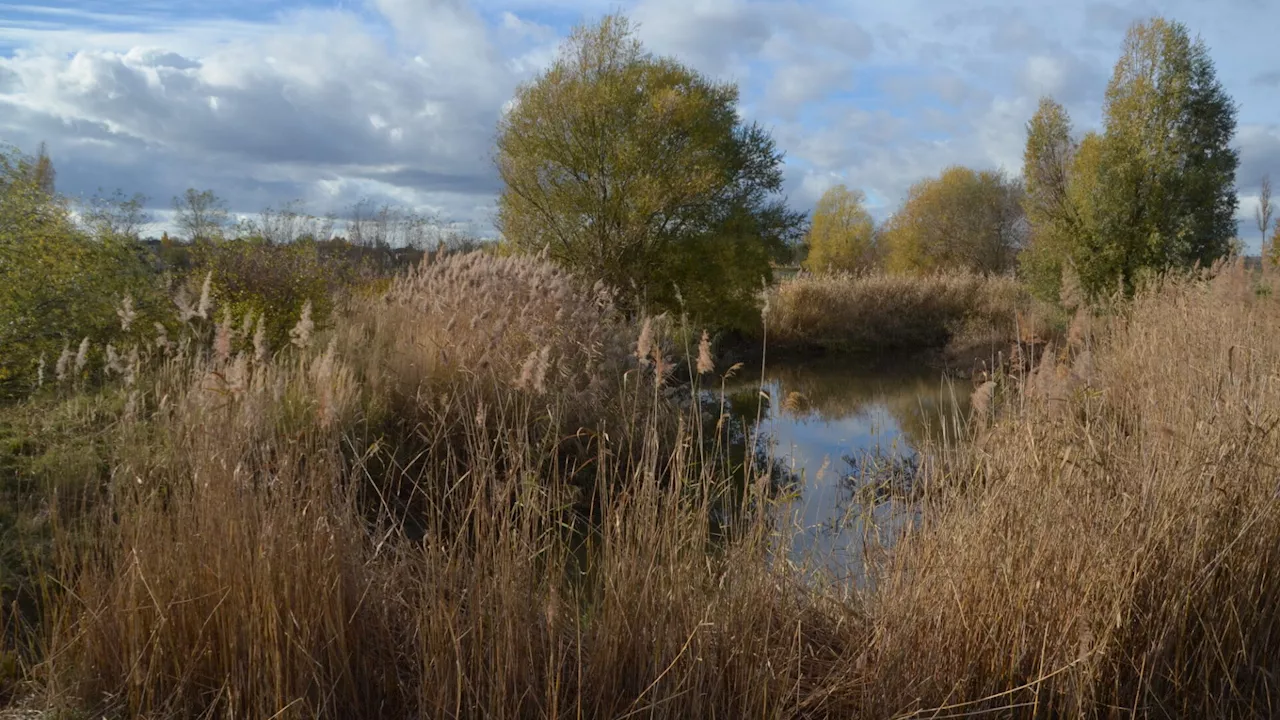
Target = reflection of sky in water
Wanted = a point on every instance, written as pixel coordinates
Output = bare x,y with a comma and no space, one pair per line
846,411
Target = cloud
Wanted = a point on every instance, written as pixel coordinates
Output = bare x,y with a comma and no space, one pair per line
718,37
316,99
1259,146
399,99
1267,79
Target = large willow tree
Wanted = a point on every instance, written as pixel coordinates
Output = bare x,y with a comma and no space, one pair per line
638,171
842,234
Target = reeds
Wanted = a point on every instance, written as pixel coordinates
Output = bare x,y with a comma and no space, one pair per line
391,523
1107,548
879,311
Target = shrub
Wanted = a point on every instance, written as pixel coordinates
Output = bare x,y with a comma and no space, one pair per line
58,286
275,282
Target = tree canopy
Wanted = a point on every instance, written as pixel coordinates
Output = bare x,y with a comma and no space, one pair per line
841,233
1156,189
637,170
961,219
57,285
1053,219
201,215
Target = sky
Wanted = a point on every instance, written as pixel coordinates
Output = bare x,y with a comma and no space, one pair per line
331,101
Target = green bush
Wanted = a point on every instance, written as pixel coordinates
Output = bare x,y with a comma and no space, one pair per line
273,282
58,286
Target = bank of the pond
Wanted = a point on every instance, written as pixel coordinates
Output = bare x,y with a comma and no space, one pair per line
878,313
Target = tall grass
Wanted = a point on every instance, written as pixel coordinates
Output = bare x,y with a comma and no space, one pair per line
1108,547
880,311
265,547
389,521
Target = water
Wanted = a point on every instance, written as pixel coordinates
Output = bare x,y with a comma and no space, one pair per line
821,421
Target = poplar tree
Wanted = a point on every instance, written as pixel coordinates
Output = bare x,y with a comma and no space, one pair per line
1165,173
1053,219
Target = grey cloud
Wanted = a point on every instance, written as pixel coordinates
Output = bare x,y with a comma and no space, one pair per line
399,100
838,34
1065,76
713,38
162,59
1259,147
956,91
1267,79
1014,32
797,84
945,85
1114,17
429,181
266,121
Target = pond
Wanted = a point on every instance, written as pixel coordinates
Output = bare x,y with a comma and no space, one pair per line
824,422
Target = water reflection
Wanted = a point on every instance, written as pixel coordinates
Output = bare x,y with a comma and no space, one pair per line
831,425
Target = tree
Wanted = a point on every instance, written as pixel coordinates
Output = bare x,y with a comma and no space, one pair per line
386,226
841,233
1262,213
58,286
961,219
1165,171
201,215
629,168
1052,217
290,223
116,215
42,172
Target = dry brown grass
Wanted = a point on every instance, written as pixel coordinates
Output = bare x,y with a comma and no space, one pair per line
1103,548
880,311
268,548
1108,547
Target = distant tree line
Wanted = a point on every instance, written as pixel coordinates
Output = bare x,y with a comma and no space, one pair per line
1153,191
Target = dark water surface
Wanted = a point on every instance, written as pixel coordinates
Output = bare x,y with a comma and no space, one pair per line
828,420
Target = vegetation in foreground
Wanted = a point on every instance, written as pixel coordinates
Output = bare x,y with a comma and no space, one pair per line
383,524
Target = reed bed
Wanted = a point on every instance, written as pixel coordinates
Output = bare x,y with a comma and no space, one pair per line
1106,547
264,545
879,311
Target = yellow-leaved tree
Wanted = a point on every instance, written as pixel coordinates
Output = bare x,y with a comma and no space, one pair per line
841,233
638,171
962,219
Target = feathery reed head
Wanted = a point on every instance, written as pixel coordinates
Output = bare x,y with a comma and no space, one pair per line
705,363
